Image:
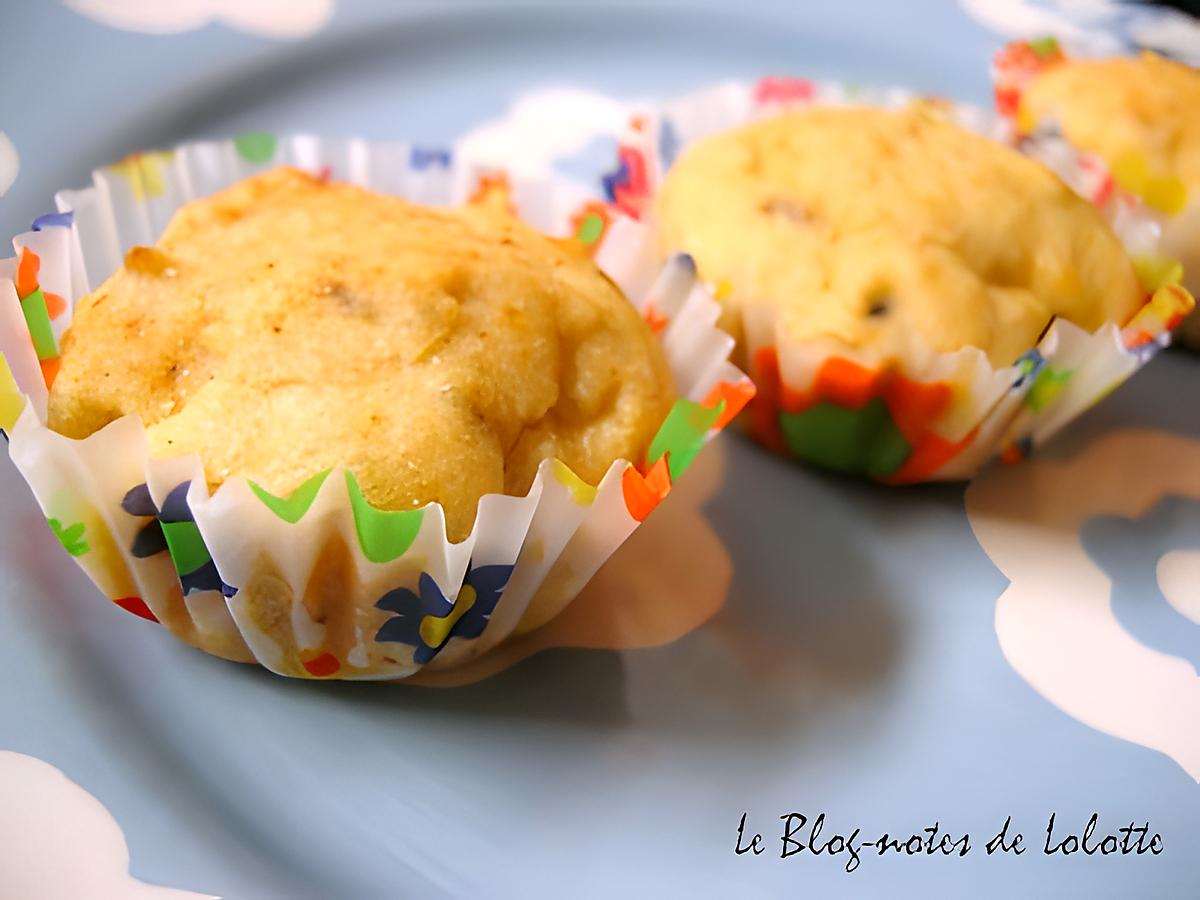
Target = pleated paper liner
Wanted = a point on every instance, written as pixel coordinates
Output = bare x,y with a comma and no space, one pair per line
320,583
1123,182
936,416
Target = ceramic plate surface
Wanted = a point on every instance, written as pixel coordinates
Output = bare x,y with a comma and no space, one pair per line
864,664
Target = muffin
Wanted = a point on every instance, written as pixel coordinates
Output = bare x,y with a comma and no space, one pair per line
911,296
892,232
1136,113
337,433
289,325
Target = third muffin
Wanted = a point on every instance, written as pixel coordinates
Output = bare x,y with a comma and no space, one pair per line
1138,114
893,279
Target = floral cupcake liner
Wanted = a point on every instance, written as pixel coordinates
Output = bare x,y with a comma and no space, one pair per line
1124,182
319,583
937,416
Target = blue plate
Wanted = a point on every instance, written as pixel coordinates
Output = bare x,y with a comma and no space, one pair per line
855,670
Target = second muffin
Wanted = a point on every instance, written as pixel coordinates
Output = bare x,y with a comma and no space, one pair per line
911,297
884,229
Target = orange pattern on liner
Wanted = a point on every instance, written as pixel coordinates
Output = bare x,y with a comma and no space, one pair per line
736,396
644,492
322,666
913,406
656,320
27,272
928,455
50,369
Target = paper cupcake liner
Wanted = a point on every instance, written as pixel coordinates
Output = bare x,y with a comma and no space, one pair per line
1124,182
319,583
933,416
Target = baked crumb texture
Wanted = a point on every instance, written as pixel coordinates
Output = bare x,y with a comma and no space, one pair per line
288,325
872,227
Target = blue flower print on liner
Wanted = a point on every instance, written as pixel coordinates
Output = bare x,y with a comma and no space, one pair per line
53,220
1029,364
628,186
610,182
421,158
1128,551
149,541
427,621
173,529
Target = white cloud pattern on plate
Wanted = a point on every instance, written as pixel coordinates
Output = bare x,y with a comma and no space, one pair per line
10,163
57,842
271,18
1055,621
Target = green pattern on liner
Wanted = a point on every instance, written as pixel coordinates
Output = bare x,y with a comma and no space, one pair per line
1047,386
255,146
71,538
383,534
188,551
856,441
292,507
590,229
682,435
37,317
1044,46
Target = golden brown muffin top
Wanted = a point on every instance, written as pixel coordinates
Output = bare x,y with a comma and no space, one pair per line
874,227
287,325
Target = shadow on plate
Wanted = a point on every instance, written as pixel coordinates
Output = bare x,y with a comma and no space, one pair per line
780,561
800,621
